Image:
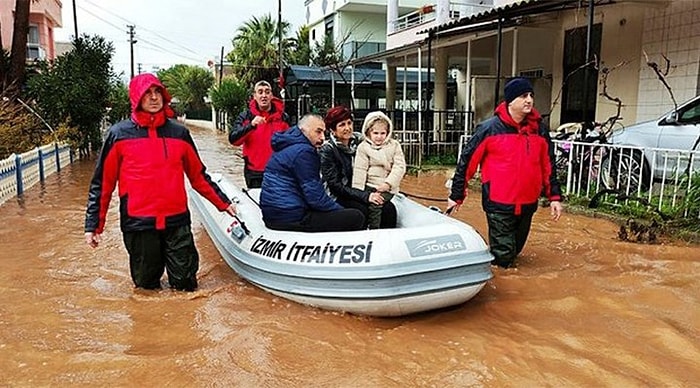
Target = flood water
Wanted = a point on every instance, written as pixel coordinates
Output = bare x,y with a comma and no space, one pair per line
581,309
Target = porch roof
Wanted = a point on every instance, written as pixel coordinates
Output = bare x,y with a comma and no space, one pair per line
513,10
484,21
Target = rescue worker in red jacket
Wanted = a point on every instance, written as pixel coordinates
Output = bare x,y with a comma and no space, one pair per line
516,156
148,155
253,130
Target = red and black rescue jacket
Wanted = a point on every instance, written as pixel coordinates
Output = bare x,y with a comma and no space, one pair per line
256,141
517,164
149,163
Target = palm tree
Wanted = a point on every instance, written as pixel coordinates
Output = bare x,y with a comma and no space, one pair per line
301,55
255,49
189,84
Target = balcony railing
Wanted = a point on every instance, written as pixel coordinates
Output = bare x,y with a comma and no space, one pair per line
423,15
428,13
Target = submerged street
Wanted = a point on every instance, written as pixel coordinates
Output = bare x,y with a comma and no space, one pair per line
581,309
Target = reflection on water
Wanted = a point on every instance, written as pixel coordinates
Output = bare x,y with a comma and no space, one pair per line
581,309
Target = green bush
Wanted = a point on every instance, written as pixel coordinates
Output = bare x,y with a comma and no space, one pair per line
440,160
230,96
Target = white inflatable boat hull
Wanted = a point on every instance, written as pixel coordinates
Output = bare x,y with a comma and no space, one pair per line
428,262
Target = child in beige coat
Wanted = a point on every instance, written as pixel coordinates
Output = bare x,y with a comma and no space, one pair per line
379,163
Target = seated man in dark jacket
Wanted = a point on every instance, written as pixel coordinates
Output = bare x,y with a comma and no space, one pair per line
292,195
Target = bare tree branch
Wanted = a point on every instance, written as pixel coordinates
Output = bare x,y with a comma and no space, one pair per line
610,122
591,63
661,75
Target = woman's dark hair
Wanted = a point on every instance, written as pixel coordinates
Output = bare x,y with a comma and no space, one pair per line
335,115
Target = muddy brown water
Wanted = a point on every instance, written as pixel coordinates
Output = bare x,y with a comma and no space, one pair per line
581,309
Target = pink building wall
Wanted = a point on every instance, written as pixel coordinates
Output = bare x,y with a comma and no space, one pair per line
45,14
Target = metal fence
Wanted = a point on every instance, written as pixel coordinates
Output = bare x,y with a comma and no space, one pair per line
426,137
20,172
663,180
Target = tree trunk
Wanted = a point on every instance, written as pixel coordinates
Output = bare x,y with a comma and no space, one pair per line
18,58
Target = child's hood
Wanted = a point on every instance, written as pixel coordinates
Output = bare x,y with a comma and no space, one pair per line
374,116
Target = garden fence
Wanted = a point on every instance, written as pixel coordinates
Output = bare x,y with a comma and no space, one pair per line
20,172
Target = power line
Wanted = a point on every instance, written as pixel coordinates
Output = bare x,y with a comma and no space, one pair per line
165,50
144,28
156,46
102,19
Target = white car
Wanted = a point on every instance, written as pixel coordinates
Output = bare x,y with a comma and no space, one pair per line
666,144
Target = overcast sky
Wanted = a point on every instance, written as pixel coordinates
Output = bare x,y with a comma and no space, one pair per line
170,31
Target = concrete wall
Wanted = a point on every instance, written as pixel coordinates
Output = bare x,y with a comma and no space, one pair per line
621,43
482,101
361,27
675,32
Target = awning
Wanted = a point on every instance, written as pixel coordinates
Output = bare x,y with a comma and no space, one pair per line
513,10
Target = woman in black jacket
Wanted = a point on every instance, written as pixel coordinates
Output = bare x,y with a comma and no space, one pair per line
337,155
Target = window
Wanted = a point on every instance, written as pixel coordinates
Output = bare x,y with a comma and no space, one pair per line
34,50
691,114
329,23
532,73
33,35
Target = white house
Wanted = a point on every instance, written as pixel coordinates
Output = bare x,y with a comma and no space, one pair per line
548,42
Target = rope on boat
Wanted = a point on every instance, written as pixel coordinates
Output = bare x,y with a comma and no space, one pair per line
422,197
447,211
248,194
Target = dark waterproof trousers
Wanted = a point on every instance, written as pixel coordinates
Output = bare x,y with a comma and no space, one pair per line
507,236
153,251
333,221
253,179
374,213
388,216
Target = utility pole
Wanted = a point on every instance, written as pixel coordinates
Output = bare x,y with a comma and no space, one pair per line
131,41
75,21
221,66
587,73
139,67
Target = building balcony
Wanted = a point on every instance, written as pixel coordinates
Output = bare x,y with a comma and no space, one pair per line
406,27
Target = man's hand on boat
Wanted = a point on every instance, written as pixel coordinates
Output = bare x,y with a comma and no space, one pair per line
452,206
231,210
92,239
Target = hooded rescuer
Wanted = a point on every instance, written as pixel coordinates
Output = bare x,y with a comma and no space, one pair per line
148,155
